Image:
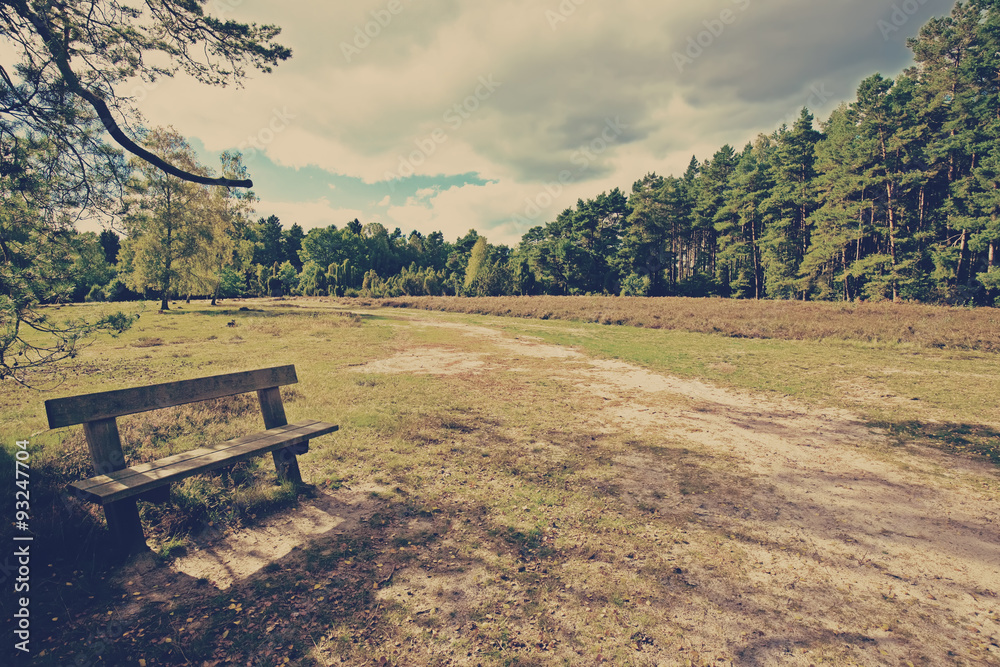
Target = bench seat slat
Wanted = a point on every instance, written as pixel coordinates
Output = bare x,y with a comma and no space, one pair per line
152,466
143,477
116,403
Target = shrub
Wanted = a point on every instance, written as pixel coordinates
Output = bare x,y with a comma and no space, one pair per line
96,293
636,285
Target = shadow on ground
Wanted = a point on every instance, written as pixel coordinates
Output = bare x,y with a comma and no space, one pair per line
964,439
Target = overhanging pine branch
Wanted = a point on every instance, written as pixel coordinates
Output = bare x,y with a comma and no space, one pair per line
59,55
104,113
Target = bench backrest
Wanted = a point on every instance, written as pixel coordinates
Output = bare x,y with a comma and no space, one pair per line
110,404
98,412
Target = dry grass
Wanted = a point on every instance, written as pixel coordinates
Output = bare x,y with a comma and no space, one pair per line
536,507
927,326
148,342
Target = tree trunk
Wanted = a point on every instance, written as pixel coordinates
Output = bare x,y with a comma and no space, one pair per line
962,248
921,222
861,232
890,215
756,260
847,289
892,241
168,260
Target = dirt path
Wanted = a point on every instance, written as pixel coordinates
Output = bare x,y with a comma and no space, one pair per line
803,528
893,544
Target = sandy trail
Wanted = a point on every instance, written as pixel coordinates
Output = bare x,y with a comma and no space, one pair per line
829,507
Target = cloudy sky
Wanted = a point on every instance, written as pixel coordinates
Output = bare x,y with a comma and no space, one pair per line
453,114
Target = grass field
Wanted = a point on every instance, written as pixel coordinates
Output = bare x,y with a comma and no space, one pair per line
796,484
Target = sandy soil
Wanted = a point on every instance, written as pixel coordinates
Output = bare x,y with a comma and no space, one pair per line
835,528
435,361
226,559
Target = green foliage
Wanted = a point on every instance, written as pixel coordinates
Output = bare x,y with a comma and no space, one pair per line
231,284
32,339
42,259
90,269
575,253
267,237
991,281
635,285
894,196
64,63
66,60
477,263
96,293
274,286
117,290
341,277
167,221
312,281
287,277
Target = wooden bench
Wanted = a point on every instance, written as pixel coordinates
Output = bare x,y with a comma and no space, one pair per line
117,486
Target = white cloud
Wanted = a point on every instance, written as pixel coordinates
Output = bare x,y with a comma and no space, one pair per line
308,214
557,83
502,211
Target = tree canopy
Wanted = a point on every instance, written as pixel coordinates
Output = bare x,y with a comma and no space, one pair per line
74,54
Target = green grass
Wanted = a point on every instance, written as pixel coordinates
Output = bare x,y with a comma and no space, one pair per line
510,505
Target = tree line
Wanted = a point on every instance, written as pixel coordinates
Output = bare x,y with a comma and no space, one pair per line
894,196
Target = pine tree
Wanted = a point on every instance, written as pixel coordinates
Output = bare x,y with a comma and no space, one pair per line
740,221
709,199
643,250
787,234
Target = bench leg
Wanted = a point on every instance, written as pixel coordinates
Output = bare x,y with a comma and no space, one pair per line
287,465
105,447
124,526
273,411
